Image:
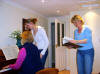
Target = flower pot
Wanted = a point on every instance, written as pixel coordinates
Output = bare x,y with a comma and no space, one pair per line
18,43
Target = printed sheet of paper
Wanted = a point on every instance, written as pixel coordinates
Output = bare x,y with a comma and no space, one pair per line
66,40
10,52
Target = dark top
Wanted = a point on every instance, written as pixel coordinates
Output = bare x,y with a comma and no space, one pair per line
32,62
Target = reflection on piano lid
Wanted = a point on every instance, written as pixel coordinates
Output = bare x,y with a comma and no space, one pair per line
5,70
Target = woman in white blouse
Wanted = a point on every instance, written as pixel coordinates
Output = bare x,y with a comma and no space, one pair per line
40,37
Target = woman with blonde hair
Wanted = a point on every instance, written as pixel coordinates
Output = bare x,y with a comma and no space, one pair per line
40,37
28,61
83,37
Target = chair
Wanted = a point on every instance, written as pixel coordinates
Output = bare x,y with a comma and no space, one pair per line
48,71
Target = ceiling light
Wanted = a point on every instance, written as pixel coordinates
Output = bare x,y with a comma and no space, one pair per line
86,1
58,11
43,1
91,5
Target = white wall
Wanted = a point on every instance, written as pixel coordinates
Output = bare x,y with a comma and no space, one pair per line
92,19
11,19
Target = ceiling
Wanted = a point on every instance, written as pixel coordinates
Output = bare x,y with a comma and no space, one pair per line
51,8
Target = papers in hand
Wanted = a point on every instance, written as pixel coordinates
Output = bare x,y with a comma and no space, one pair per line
66,39
69,44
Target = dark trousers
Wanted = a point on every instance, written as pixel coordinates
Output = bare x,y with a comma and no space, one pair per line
44,57
85,61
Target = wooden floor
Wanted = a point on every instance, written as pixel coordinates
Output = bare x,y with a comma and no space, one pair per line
64,72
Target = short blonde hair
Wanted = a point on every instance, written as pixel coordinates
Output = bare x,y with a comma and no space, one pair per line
77,18
27,37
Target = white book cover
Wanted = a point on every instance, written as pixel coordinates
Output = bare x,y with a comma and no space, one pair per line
66,39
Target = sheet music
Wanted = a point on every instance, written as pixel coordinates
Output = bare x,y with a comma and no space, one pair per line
5,70
10,52
66,39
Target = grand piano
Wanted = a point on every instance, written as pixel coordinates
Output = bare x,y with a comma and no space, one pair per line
4,62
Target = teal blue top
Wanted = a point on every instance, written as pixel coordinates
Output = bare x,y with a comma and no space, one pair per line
85,34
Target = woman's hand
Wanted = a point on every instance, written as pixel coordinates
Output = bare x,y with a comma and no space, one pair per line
41,55
78,41
73,41
6,67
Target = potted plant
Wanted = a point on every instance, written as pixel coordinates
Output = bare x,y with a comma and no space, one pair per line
16,35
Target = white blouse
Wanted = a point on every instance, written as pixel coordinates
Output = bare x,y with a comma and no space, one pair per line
41,39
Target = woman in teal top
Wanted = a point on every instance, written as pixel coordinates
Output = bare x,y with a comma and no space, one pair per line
83,37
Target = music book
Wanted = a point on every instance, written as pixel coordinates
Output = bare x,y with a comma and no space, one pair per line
69,44
10,52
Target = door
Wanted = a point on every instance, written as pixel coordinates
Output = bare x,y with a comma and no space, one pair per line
58,51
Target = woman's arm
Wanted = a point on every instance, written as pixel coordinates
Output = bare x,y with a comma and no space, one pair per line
45,38
20,59
78,41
